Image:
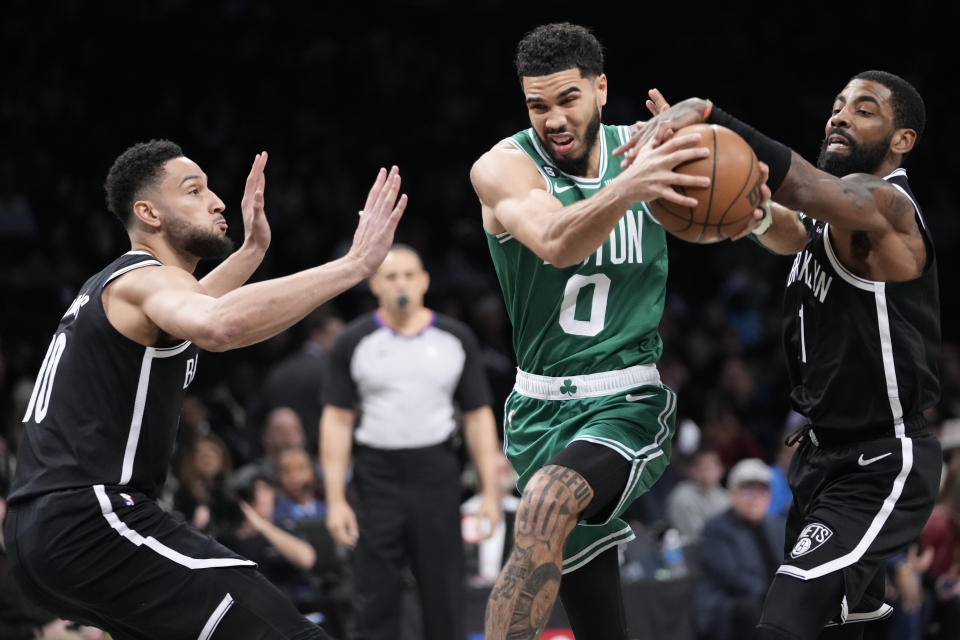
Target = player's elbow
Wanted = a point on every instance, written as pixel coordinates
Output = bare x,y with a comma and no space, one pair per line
561,252
218,334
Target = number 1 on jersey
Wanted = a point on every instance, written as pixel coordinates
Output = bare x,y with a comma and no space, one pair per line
598,304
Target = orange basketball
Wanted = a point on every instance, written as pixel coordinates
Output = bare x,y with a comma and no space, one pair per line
727,204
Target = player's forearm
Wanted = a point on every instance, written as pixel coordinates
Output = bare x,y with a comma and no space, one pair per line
336,443
846,203
574,232
480,432
234,271
258,311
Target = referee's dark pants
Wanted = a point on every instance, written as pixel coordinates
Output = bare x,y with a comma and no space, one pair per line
408,515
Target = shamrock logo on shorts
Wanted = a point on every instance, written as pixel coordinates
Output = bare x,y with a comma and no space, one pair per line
568,387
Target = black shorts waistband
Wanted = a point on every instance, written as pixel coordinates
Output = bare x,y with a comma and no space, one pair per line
829,438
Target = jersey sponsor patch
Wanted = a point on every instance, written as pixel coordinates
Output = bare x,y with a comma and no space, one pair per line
812,537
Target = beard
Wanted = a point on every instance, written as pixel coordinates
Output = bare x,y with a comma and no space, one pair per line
197,242
578,165
861,159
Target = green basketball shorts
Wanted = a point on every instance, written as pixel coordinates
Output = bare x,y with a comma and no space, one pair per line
629,410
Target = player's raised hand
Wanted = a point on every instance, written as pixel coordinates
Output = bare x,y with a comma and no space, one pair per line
256,229
656,104
378,221
662,126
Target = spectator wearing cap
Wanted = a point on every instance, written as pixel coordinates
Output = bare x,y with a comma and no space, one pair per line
739,553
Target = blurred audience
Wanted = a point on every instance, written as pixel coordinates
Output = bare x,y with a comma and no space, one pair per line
738,557
700,496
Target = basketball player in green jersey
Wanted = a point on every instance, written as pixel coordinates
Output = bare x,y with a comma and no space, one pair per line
583,268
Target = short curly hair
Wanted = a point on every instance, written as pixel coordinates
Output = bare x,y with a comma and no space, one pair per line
555,47
138,167
909,112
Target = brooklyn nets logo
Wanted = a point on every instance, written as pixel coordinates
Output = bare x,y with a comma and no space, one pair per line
812,537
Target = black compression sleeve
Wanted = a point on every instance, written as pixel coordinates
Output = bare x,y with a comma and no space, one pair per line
776,154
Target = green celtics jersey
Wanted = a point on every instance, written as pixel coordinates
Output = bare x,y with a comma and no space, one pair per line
601,314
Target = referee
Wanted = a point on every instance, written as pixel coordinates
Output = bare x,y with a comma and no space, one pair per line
403,368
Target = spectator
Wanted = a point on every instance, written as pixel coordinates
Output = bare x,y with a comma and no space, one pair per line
694,500
281,552
942,535
738,557
282,430
403,368
904,591
205,466
780,495
296,381
300,491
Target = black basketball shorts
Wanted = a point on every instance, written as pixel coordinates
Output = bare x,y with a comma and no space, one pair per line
112,558
855,505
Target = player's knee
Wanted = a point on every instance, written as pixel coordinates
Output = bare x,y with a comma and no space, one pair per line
551,503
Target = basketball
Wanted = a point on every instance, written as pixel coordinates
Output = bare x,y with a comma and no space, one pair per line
726,206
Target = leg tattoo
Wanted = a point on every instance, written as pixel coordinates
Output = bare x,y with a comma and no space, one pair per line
522,599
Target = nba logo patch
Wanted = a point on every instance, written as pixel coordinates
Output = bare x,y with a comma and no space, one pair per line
812,537
127,500
550,171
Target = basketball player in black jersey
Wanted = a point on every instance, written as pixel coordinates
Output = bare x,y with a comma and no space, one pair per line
862,335
84,533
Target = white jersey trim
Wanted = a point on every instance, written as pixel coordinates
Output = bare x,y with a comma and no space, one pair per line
842,271
214,620
152,543
584,183
131,267
140,402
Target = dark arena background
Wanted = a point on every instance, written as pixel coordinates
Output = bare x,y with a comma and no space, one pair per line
334,92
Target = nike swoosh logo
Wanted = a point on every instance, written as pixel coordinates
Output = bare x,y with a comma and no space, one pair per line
562,189
863,463
633,398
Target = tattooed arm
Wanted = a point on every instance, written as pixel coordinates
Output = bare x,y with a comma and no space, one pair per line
873,226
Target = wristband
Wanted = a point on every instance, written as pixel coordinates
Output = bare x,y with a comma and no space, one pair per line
776,154
765,221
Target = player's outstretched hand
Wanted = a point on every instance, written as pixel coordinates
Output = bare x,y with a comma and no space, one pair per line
256,229
662,126
651,175
378,221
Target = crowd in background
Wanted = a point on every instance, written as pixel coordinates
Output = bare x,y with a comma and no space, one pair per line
331,102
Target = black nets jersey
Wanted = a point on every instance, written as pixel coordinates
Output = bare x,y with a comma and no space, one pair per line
104,409
861,354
